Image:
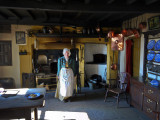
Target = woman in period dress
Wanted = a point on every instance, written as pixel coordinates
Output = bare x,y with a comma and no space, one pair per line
65,73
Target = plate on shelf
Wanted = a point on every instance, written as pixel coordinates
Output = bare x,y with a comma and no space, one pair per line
33,96
150,55
151,44
157,45
157,57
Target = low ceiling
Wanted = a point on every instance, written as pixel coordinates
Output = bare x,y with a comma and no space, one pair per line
107,13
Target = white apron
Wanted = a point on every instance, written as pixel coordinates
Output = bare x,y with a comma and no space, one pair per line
66,79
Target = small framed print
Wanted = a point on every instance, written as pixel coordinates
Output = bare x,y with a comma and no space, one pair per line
20,38
154,22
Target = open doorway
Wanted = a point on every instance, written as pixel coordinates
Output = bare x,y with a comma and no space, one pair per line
95,57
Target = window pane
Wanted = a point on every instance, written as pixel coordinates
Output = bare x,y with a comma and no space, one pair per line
5,53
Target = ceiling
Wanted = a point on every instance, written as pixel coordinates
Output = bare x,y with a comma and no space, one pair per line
106,13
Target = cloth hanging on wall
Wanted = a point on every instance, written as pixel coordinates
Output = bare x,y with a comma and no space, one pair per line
129,60
129,57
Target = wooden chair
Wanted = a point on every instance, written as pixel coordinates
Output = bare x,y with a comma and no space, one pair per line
121,86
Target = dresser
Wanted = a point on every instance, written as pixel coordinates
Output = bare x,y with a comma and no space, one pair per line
145,97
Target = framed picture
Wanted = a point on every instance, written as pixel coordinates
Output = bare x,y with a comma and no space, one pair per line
154,22
20,38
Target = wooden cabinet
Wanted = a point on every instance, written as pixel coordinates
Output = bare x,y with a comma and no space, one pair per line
151,101
145,97
136,91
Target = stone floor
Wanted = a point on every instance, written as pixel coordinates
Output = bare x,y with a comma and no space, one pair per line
89,107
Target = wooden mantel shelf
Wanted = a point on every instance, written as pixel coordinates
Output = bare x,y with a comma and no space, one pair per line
70,35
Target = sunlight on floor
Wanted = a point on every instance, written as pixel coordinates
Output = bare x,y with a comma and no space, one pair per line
63,115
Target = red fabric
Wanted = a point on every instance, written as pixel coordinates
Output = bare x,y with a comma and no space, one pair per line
129,60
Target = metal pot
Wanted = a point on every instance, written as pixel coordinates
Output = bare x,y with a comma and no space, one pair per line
114,67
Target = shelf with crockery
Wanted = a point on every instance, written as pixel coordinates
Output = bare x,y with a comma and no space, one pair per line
153,59
153,48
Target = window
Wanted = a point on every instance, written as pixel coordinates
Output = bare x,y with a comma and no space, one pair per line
5,53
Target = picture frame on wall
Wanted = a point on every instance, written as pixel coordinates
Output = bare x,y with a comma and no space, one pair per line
154,23
20,38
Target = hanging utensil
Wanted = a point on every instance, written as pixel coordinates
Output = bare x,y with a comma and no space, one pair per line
113,66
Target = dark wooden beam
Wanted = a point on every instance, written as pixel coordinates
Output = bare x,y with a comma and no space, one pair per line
15,13
45,14
31,14
90,17
116,17
60,16
64,1
148,2
39,0
110,1
129,2
104,17
3,15
87,1
78,15
75,7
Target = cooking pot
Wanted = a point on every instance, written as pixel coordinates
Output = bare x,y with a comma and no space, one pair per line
114,67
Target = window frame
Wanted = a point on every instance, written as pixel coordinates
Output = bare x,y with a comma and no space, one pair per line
4,53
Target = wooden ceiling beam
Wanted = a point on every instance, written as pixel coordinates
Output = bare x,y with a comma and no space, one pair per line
90,17
15,13
87,1
129,2
3,15
110,1
104,17
116,17
148,2
31,14
60,16
78,7
64,1
78,15
45,14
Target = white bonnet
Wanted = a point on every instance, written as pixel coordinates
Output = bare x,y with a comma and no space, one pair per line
66,49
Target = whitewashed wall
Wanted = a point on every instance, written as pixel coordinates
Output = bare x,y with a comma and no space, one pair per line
91,69
123,58
13,71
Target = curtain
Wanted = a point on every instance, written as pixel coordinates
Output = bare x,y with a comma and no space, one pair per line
129,60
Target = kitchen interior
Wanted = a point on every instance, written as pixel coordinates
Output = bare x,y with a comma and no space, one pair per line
105,39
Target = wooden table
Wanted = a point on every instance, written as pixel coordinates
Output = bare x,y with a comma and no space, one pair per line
18,106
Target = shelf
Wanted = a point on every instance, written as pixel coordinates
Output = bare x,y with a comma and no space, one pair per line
96,63
70,35
154,38
45,77
153,62
154,73
154,50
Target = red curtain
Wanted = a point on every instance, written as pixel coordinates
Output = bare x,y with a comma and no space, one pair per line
129,60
